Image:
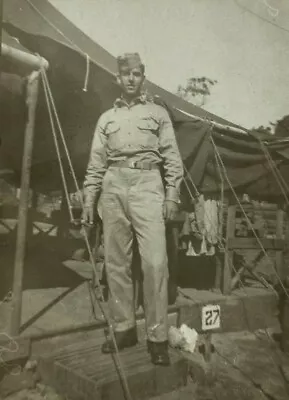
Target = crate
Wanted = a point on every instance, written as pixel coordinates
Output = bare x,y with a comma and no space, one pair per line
82,372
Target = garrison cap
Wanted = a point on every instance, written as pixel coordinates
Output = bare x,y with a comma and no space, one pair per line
129,60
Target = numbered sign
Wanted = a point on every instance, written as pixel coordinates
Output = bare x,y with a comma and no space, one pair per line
211,317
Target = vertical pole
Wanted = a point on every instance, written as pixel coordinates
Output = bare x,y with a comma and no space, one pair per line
1,24
219,267
31,101
228,261
280,217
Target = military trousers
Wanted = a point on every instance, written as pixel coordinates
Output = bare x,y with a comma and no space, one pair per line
132,206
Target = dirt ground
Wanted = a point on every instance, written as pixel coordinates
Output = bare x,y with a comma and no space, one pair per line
244,366
41,392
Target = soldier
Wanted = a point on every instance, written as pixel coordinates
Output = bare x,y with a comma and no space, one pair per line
136,170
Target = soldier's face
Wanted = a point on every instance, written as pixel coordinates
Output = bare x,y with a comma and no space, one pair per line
131,80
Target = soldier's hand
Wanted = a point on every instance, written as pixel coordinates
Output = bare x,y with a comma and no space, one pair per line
87,217
170,210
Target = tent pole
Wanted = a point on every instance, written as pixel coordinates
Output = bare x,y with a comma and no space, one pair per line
31,101
216,125
21,57
1,24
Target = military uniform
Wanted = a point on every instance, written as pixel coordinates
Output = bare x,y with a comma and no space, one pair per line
132,142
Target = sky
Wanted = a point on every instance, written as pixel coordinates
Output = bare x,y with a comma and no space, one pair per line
243,44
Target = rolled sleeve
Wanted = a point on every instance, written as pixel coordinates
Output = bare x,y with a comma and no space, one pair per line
172,161
97,163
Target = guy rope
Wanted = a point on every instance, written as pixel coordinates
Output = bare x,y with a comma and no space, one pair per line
54,115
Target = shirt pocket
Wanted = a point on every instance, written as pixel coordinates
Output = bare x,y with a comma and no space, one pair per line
113,132
149,132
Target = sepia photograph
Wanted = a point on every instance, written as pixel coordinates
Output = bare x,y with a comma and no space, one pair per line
144,200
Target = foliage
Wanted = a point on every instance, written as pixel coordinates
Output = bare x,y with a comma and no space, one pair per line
282,127
264,129
196,90
279,128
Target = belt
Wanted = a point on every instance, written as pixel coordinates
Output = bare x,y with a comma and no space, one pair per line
145,165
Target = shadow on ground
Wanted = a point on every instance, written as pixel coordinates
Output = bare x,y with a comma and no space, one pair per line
43,267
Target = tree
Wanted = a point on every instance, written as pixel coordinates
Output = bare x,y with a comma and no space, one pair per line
265,129
279,128
282,127
196,90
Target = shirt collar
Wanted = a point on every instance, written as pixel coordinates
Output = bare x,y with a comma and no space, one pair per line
143,98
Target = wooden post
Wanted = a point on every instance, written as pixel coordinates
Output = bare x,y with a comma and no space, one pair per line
228,257
1,36
208,347
219,268
279,235
32,96
1,23
31,213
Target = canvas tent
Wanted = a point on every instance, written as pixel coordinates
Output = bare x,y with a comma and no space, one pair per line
81,76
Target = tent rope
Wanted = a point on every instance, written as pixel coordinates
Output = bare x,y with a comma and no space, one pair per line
86,80
221,216
91,257
197,191
33,6
59,31
57,149
191,180
264,281
222,239
246,217
118,362
277,174
62,136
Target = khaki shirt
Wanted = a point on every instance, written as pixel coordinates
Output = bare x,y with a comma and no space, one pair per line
141,131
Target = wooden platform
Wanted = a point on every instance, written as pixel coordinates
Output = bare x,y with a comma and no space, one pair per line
244,310
81,372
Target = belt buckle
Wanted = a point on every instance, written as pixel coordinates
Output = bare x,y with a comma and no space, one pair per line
132,164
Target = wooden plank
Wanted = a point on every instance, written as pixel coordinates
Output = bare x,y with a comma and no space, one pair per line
41,343
238,312
261,207
266,214
87,375
253,243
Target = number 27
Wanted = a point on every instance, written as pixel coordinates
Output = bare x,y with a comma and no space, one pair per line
212,316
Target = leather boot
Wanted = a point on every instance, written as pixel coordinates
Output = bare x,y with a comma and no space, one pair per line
159,352
123,339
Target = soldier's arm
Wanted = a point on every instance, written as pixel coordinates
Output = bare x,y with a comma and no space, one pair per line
97,163
172,162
